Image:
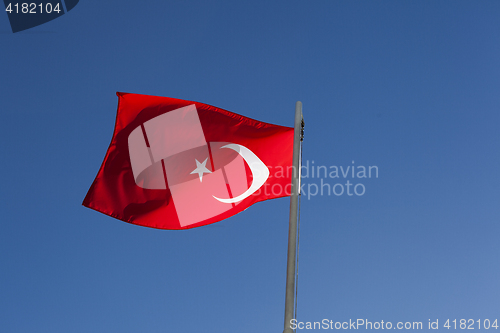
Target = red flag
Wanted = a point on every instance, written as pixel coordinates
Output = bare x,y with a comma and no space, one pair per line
176,164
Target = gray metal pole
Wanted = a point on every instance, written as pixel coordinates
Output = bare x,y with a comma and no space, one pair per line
292,231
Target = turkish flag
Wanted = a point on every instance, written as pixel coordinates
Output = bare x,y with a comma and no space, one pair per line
176,164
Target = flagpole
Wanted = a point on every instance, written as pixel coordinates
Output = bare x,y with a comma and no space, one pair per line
292,231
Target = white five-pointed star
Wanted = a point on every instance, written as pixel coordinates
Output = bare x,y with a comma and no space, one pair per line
201,168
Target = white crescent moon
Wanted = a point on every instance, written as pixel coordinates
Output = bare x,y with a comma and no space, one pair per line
259,171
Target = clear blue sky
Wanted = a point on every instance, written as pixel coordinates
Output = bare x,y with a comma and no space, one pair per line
412,87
